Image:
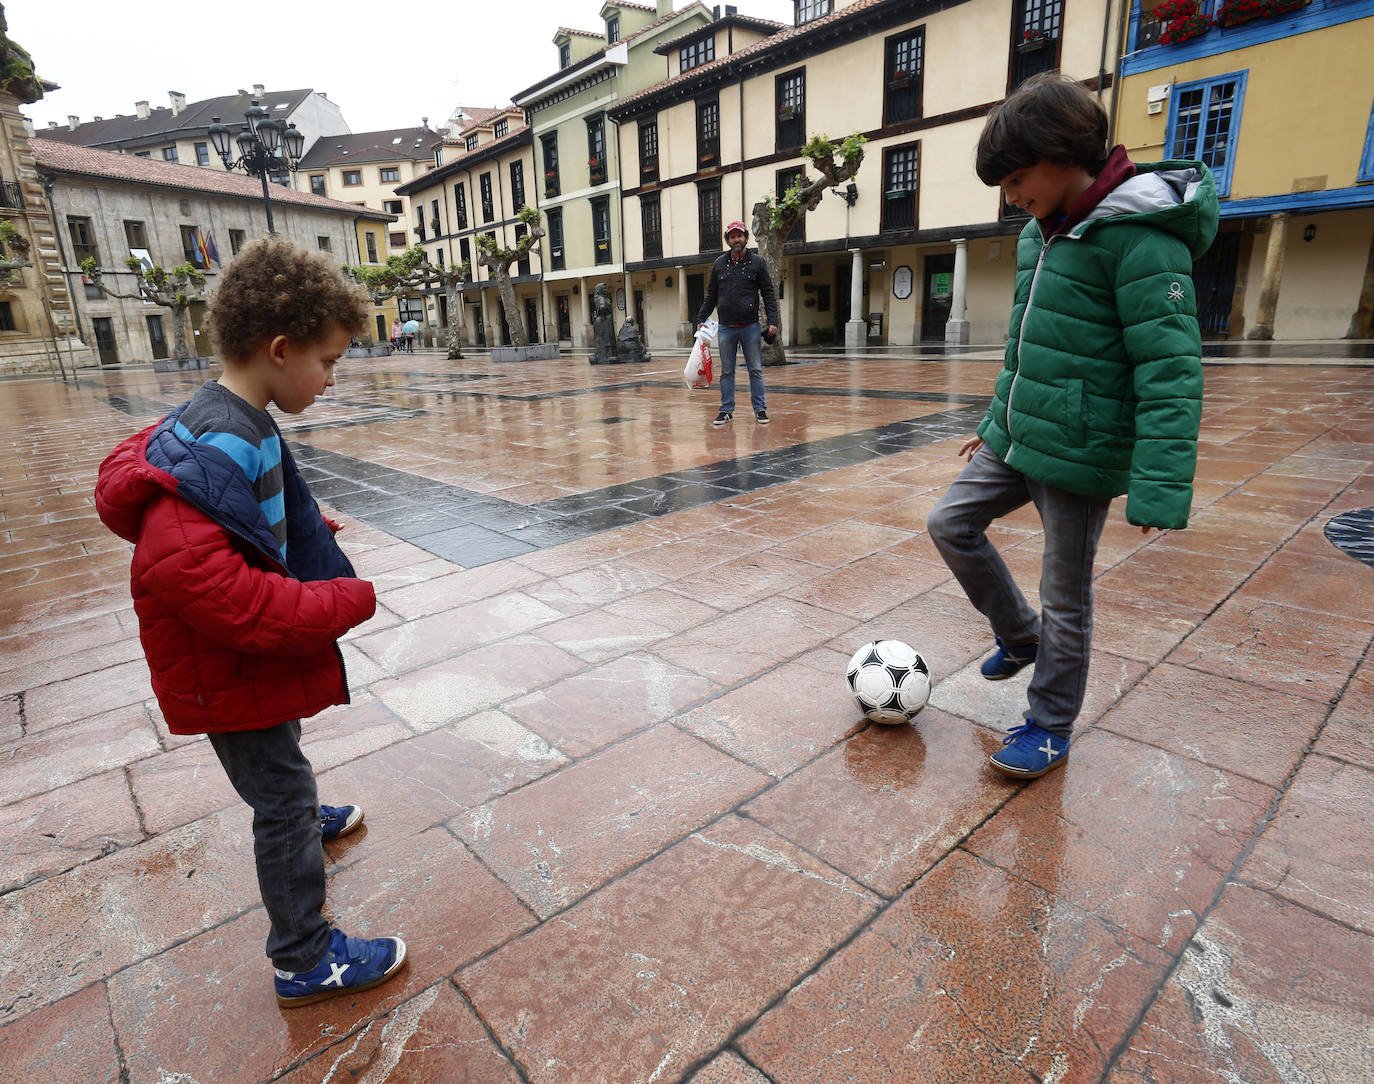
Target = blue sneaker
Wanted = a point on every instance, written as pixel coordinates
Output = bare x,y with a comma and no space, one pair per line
1009,659
1030,751
351,964
339,820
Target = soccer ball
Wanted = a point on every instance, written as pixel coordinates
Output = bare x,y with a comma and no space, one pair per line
890,681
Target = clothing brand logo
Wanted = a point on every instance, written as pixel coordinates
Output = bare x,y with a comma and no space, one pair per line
1175,291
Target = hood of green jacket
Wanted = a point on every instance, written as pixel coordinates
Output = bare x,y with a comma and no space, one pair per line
1177,197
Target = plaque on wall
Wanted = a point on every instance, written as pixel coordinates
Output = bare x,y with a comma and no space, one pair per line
901,282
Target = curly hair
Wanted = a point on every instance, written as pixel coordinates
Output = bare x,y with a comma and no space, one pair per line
274,287
1049,116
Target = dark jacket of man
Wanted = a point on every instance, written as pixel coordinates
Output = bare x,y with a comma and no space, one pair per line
735,288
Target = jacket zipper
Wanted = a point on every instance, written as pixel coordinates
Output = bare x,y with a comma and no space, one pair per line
1021,333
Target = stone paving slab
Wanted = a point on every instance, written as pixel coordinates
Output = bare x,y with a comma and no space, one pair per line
619,802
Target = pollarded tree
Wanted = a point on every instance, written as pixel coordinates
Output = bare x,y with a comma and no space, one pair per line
498,260
411,270
774,219
176,289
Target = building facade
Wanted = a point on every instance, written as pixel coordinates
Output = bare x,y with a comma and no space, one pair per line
1276,98
110,206
38,327
486,177
578,151
917,249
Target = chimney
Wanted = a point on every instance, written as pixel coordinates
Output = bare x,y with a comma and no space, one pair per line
665,7
259,90
99,118
178,102
141,108
28,126
52,124
72,121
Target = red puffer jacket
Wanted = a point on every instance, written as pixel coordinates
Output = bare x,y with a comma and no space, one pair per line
235,640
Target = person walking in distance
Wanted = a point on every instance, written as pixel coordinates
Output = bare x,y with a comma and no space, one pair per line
738,279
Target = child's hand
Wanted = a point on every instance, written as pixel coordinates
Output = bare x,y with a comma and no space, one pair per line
970,446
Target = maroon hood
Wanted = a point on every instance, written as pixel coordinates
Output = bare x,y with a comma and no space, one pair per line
1119,168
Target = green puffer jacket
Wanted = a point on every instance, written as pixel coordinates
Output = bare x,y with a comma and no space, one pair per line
1101,391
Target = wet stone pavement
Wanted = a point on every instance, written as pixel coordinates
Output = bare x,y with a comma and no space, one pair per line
619,803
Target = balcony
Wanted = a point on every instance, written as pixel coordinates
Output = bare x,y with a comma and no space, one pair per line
1170,33
11,195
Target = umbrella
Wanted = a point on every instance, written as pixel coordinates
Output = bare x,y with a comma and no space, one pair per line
410,327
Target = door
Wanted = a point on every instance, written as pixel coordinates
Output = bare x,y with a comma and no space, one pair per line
382,333
639,315
565,317
157,337
103,326
696,294
1214,281
532,319
843,277
938,297
197,311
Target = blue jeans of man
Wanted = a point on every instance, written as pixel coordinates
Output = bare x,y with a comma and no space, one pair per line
988,489
728,342
272,774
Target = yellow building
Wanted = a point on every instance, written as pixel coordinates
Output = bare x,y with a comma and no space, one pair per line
486,176
919,250
365,169
1276,97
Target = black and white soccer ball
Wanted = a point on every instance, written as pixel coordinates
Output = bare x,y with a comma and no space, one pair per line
890,681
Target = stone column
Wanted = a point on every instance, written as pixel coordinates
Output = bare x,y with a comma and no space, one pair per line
956,328
546,312
685,325
1263,327
856,329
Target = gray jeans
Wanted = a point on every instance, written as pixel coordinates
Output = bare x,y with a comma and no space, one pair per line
986,490
272,774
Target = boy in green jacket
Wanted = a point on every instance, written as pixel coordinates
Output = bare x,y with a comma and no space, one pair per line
1100,393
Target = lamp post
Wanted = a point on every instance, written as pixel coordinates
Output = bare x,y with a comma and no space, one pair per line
265,146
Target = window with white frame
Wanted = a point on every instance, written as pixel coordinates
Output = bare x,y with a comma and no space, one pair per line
808,10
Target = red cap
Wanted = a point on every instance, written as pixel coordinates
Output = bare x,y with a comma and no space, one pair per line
737,225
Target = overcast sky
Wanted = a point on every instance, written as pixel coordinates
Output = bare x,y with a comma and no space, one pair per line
385,65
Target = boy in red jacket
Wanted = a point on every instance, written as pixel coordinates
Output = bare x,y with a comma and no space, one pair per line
241,590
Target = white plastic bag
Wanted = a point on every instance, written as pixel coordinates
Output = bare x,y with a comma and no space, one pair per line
699,371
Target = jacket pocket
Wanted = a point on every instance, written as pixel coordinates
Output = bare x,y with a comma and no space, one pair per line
1074,420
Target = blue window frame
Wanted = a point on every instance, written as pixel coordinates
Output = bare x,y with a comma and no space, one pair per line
1367,159
1204,122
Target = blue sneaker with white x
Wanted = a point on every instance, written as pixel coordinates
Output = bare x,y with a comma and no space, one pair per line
1009,659
339,820
351,964
1030,751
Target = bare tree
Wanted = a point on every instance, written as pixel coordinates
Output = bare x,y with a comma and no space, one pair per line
176,289
774,219
498,260
411,270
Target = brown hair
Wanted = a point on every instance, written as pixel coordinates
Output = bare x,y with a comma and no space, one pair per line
1048,116
276,288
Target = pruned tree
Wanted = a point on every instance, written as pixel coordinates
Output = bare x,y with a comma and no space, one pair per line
16,252
498,259
774,219
177,288
411,270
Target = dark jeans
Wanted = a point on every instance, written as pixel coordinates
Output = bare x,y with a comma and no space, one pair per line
728,342
988,489
272,774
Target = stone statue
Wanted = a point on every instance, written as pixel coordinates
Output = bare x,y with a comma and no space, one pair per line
603,326
630,344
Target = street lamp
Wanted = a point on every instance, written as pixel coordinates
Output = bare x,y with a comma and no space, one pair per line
265,146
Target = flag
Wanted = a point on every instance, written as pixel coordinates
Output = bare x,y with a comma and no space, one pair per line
210,248
204,252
